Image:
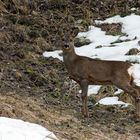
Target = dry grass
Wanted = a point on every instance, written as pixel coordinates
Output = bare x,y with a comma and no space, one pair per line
62,122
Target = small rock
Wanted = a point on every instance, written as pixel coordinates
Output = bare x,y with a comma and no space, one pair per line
100,46
139,42
81,41
133,51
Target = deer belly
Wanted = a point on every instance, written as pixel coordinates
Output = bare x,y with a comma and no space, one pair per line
75,78
99,81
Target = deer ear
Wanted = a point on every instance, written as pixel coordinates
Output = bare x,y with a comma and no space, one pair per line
75,31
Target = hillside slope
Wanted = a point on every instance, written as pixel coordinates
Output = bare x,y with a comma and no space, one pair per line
32,88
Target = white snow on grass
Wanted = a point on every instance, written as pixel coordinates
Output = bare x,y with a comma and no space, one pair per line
98,37
110,50
118,91
12,129
130,24
112,101
92,89
54,54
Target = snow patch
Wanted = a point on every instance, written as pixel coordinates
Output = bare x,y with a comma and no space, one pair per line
130,24
92,89
54,54
118,91
111,101
12,129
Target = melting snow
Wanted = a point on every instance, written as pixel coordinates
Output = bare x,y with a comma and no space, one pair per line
92,89
111,101
118,92
130,24
12,129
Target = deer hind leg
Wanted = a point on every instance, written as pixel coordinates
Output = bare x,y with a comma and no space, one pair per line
134,92
84,88
137,100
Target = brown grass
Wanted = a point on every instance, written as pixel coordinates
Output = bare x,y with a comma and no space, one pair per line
62,122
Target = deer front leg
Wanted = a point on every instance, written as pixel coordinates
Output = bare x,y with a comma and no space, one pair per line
138,108
84,88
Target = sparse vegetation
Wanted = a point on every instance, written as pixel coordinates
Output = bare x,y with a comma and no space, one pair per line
111,29
38,90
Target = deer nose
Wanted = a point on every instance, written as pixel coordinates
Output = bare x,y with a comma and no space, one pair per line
66,45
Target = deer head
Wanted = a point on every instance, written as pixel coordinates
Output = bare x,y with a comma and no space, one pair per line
67,40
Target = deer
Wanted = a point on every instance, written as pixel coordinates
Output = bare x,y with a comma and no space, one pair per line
87,71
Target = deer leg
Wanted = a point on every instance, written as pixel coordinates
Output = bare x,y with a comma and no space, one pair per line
135,94
138,108
84,88
137,101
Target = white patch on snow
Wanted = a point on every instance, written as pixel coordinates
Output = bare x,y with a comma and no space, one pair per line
12,129
111,101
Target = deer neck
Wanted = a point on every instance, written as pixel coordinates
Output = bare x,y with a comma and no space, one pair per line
69,56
